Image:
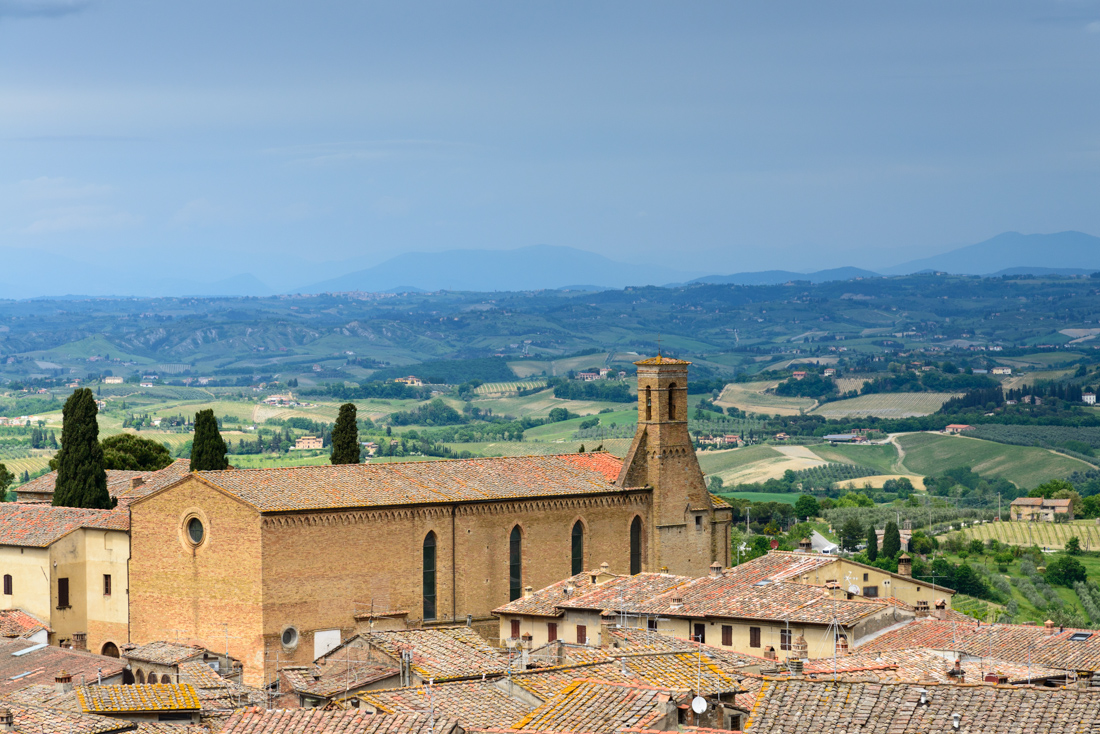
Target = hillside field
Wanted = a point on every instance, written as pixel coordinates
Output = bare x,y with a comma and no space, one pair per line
1027,467
752,398
1042,534
885,405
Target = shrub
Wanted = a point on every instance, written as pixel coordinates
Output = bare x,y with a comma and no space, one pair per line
1066,571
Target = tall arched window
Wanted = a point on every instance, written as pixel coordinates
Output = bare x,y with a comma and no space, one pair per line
672,402
515,564
636,546
140,676
648,405
578,547
429,576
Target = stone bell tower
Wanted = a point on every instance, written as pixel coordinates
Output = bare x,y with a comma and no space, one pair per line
687,531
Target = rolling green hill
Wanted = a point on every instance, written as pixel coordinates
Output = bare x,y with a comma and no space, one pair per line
930,453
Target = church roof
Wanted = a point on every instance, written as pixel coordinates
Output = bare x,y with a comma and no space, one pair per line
659,359
419,482
120,483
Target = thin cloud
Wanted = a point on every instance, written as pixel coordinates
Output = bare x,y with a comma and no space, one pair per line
69,219
41,8
1093,27
47,188
327,154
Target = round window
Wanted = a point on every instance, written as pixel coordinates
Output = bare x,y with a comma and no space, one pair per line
195,530
290,637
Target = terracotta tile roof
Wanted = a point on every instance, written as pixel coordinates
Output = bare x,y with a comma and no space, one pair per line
917,665
38,526
38,720
470,703
624,592
601,706
659,359
544,602
703,673
119,483
401,483
17,623
200,675
136,698
439,653
319,721
632,639
336,676
170,727
545,683
779,566
799,705
162,653
42,664
727,596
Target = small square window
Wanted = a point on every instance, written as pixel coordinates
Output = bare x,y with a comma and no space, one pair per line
106,584
865,577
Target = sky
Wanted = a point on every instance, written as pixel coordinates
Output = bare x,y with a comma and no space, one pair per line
296,141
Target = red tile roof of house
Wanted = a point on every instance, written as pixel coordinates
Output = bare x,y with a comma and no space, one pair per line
1040,502
17,623
162,653
120,482
438,653
40,720
318,721
601,706
471,703
336,676
39,526
415,482
799,705
41,664
137,698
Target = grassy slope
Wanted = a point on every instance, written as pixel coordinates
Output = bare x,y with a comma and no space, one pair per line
886,405
880,457
1027,467
789,497
715,462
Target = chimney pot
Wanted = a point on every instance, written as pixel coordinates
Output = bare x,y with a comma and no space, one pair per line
769,653
63,682
905,565
716,569
7,720
80,641
527,591
1049,624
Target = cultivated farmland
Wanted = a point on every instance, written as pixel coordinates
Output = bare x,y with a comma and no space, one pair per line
502,388
752,398
1027,467
1042,534
886,405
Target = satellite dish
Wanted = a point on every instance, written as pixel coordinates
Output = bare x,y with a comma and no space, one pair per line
698,704
853,589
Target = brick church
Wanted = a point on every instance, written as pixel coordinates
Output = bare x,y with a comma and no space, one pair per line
281,564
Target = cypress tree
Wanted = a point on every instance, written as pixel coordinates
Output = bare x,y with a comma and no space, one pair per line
891,540
872,543
81,478
208,447
345,437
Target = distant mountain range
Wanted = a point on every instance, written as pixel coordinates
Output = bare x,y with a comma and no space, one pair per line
537,267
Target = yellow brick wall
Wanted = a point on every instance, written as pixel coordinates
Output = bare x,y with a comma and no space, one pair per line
182,593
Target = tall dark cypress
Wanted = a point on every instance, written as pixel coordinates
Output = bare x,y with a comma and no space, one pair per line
208,448
872,543
81,478
345,437
891,540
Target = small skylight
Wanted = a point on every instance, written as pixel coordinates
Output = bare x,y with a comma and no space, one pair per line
765,582
1080,636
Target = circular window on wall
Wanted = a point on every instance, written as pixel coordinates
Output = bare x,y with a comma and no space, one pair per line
290,637
195,531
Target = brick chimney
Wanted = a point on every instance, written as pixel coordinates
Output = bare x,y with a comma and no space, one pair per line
7,720
842,645
63,682
1049,625
800,649
805,546
769,653
905,566
80,641
716,569
941,609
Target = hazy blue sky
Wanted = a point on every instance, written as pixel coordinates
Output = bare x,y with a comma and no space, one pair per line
273,136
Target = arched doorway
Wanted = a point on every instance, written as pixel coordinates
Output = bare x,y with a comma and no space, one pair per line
109,649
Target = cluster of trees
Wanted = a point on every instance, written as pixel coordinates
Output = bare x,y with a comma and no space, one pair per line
452,371
611,391
1068,391
905,380
984,398
432,413
813,385
368,390
964,482
40,439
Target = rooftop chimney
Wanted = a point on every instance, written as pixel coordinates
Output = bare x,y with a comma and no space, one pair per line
527,591
957,672
842,645
677,602
1049,624
941,609
716,569
769,653
905,565
63,682
136,482
800,649
805,545
80,641
7,721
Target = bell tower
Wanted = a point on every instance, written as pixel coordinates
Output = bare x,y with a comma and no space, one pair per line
686,530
